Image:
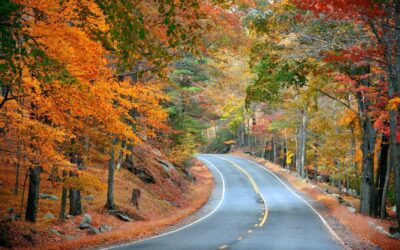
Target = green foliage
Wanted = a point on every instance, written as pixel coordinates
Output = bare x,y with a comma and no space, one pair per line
217,144
11,51
47,69
135,37
18,49
186,114
274,75
189,71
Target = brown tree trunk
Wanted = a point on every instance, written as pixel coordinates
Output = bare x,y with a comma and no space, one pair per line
264,147
17,168
382,214
298,151
120,156
367,203
381,176
285,151
33,194
75,205
63,198
274,147
136,197
302,145
110,189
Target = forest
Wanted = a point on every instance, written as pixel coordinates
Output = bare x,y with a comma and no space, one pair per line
94,93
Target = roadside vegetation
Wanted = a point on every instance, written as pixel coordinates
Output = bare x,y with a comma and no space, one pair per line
104,103
102,107
323,100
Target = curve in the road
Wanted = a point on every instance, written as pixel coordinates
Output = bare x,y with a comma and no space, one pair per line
331,231
256,189
242,220
190,224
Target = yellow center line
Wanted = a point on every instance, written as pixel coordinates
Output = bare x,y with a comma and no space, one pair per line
255,187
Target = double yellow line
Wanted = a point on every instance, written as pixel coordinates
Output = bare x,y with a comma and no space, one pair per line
255,187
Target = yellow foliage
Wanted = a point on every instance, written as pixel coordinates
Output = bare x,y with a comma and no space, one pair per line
84,181
394,103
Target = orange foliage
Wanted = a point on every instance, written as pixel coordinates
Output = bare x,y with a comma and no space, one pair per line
76,96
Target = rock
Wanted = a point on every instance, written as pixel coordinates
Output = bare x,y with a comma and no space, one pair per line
69,237
352,210
104,228
69,217
167,166
49,216
378,228
395,236
84,225
335,195
93,230
89,197
143,174
121,215
146,177
54,231
86,219
371,224
382,230
48,197
10,217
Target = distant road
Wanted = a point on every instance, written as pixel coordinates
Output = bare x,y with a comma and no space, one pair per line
251,209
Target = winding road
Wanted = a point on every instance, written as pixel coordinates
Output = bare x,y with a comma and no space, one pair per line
250,208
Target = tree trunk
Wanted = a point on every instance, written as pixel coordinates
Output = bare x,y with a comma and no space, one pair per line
248,135
264,147
21,208
395,162
353,154
367,203
136,197
120,156
381,175
274,146
33,194
17,168
382,210
75,205
298,151
63,198
110,190
285,150
303,144
316,158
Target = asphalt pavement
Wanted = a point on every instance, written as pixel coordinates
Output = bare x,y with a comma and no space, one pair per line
250,208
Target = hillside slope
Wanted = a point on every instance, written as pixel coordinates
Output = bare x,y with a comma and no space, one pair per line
168,194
